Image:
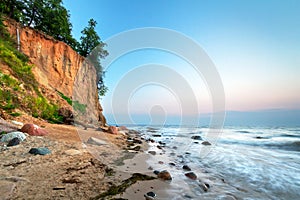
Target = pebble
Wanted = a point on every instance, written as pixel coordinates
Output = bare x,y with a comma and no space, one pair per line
185,167
72,152
152,152
164,175
191,175
196,137
96,141
150,195
156,172
206,143
40,151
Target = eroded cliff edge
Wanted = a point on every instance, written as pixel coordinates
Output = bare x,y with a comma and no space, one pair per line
58,68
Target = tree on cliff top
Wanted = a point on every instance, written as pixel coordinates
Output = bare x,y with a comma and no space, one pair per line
92,47
48,16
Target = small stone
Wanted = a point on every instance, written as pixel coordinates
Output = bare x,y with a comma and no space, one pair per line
13,142
164,175
39,151
136,148
9,136
204,186
72,152
196,137
152,152
150,195
206,143
150,168
159,147
96,141
156,172
191,175
185,167
172,164
156,135
160,162
137,141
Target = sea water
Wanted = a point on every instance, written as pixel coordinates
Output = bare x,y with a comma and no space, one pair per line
243,163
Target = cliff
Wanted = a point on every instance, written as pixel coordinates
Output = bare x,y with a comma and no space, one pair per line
58,68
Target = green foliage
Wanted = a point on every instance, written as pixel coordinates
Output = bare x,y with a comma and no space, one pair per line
79,107
65,98
15,114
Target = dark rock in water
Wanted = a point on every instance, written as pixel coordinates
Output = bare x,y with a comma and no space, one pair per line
156,135
152,141
137,148
174,147
152,152
206,143
196,137
187,153
160,162
191,175
196,142
156,172
15,141
172,164
159,147
172,154
150,195
137,141
185,167
39,151
164,175
162,143
204,186
259,137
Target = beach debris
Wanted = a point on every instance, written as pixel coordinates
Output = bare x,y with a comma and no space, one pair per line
164,175
206,143
14,142
112,130
191,175
40,151
152,152
33,130
9,136
196,137
150,195
186,168
96,141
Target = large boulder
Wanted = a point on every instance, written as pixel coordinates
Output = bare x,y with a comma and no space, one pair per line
9,136
67,114
113,130
33,130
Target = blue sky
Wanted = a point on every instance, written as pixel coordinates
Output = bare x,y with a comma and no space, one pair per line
254,44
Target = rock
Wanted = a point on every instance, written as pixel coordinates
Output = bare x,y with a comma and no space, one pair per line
160,162
15,141
39,151
172,164
204,186
191,175
152,152
33,130
150,195
136,148
156,172
17,123
206,143
156,135
9,136
164,175
159,147
112,130
185,167
122,128
196,137
137,141
72,152
67,115
150,168
96,141
259,137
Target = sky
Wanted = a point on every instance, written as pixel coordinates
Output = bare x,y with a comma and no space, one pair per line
253,44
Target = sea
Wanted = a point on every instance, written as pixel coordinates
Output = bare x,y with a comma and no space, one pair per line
240,162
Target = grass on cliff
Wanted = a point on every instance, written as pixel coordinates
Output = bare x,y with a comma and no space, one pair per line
20,89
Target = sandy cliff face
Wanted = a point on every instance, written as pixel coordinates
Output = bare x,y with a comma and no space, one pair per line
57,66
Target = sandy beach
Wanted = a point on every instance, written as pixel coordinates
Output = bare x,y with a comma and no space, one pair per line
75,169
